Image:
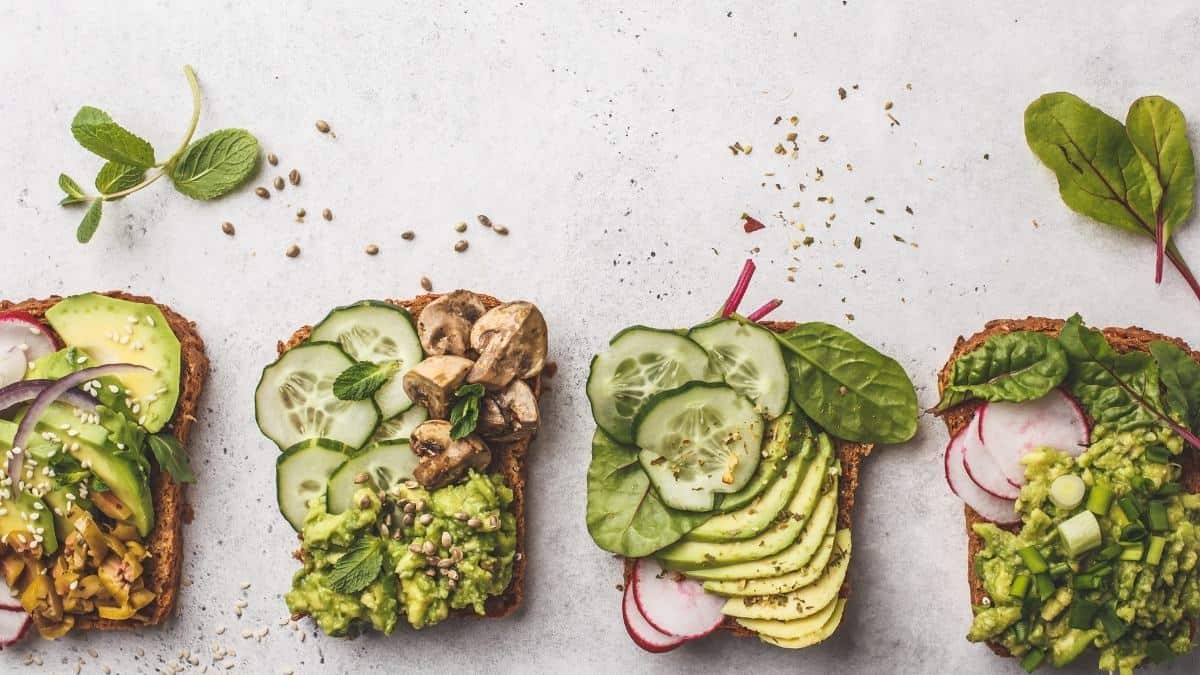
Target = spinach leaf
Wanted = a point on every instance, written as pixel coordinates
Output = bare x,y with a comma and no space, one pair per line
1018,366
1180,376
847,387
624,513
1158,131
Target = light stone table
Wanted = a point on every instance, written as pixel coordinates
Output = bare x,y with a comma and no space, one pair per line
598,133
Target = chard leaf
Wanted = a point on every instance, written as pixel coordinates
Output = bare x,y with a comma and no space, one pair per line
96,131
360,565
1180,376
1158,132
171,457
1018,366
115,177
216,164
90,222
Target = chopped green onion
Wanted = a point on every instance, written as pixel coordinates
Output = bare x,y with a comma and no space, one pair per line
1114,626
1020,586
1130,508
1033,659
1133,533
1059,569
1100,499
1101,570
1045,586
1021,632
1158,454
1086,582
1138,483
1080,533
1083,613
1033,559
1158,517
1132,552
1155,551
1067,491
1169,490
1109,552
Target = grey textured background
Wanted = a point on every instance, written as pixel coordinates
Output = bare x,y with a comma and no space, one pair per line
597,132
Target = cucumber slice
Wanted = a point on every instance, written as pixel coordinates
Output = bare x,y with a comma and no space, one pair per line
697,441
749,359
301,474
376,331
400,427
294,401
639,363
385,464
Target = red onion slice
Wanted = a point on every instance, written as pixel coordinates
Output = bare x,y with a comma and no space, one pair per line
26,391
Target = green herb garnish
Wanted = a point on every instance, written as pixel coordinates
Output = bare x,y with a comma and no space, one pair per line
464,416
171,456
360,566
361,380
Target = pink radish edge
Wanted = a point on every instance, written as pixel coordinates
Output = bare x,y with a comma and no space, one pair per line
1009,431
679,607
13,626
988,506
640,631
982,468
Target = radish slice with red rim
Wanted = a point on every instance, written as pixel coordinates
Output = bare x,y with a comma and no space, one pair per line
991,507
674,604
13,626
982,468
23,331
1010,431
12,366
643,634
7,599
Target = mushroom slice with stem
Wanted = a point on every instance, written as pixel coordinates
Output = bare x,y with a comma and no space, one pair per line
509,415
445,459
511,341
432,382
444,326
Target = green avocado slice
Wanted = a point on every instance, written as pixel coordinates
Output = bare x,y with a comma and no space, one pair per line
775,456
12,523
820,635
802,602
753,518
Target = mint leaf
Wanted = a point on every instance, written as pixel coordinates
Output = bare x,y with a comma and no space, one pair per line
91,221
216,164
360,565
97,132
361,380
115,177
464,416
74,192
172,457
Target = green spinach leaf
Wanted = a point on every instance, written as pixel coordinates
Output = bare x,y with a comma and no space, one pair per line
624,513
1018,366
1180,376
96,131
846,386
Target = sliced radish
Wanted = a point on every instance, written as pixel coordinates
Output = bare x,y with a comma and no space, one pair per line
13,626
991,507
982,468
644,635
12,366
674,604
7,599
23,331
1010,431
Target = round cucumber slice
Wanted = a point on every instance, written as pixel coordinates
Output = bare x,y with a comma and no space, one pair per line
400,427
301,474
385,465
697,441
294,401
640,362
750,360
376,331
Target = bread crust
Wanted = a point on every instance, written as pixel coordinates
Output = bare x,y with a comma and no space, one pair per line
165,543
507,459
850,456
1123,340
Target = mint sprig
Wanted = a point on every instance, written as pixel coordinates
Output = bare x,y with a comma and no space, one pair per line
360,566
208,168
361,380
464,416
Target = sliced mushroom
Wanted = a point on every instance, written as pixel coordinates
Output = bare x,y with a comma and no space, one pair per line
432,382
444,459
509,415
511,341
444,326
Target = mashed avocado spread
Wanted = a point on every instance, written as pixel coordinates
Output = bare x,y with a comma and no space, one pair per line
447,549
1134,595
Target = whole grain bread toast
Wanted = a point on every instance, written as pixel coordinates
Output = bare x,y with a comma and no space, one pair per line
1122,340
850,456
507,459
165,543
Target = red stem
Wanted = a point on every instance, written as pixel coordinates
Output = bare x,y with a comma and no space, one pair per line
739,290
765,309
1184,271
1160,249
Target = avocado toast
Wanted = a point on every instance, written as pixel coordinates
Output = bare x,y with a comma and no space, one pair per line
470,367
1156,464
724,470
148,509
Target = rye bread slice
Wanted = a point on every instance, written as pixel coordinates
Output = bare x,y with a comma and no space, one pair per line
165,542
1122,340
507,459
850,456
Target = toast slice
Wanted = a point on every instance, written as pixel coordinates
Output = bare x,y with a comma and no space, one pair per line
507,459
1122,340
850,455
165,542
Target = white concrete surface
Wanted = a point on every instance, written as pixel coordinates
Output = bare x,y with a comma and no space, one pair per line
597,132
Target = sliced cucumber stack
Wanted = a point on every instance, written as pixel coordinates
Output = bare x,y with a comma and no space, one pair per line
294,401
301,474
641,362
697,441
376,332
749,358
385,465
400,427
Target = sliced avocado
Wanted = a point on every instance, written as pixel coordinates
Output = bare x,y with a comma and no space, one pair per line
820,635
11,521
802,602
753,518
801,576
57,500
111,330
775,455
790,630
787,526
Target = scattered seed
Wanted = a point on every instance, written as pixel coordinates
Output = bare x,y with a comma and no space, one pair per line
461,227
372,249
300,213
279,182
461,516
362,478
842,93
822,138
323,126
327,214
425,519
887,105
426,284
293,251
501,230
262,192
484,220
461,245
408,235
294,177
272,159
474,523
447,540
227,228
